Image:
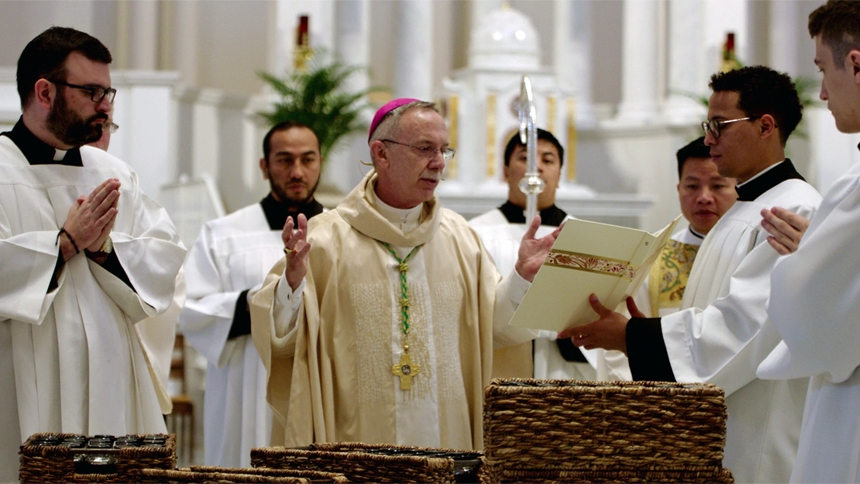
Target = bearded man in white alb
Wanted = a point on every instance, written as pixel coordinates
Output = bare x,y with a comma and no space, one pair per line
86,255
379,324
232,256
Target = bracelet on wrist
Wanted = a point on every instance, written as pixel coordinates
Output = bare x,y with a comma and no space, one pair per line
68,236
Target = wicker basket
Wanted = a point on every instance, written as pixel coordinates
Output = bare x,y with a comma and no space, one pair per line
55,463
603,426
375,462
224,475
547,476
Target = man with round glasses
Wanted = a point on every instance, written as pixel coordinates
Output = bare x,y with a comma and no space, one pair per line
379,324
722,332
86,257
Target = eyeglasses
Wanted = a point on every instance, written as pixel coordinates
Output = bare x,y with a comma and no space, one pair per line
427,152
113,127
97,93
713,126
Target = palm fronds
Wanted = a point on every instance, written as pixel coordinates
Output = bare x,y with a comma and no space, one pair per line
318,99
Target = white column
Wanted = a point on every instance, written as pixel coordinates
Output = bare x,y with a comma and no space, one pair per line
322,29
639,62
186,32
352,21
143,34
573,56
352,39
414,52
784,37
688,75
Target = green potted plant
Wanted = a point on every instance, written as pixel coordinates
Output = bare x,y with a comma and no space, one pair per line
318,98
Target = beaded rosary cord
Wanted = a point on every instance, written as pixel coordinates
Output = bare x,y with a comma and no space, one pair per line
406,370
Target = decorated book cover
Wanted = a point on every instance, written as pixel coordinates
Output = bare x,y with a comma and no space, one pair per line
588,257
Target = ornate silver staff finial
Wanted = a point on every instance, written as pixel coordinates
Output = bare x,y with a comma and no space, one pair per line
531,184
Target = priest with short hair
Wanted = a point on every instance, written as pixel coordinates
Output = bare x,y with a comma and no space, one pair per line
87,257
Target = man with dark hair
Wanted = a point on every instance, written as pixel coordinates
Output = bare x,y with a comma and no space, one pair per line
378,325
293,177
232,256
501,230
704,196
550,156
88,259
722,332
815,295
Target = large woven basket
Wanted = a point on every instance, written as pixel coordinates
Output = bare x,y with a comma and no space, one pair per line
224,475
374,462
603,426
560,476
55,463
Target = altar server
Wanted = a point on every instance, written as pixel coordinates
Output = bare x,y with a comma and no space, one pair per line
722,332
233,255
86,256
815,296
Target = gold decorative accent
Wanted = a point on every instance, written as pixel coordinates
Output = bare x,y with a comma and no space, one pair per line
453,126
491,135
669,274
590,263
550,114
571,140
405,370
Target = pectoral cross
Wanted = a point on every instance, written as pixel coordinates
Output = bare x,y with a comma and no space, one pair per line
405,370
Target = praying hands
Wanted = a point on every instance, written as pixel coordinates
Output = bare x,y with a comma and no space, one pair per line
90,219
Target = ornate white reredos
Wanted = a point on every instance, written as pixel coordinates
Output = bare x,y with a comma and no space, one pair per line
505,37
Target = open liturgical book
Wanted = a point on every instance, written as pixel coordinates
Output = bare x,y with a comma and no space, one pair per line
588,257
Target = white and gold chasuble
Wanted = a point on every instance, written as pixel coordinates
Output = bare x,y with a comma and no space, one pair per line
330,352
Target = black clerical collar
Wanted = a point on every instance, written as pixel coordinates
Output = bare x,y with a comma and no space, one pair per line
696,234
37,151
779,173
551,216
277,212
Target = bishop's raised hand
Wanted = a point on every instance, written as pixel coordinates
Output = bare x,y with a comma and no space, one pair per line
533,252
296,247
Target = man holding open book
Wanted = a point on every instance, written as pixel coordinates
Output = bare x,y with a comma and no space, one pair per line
722,332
